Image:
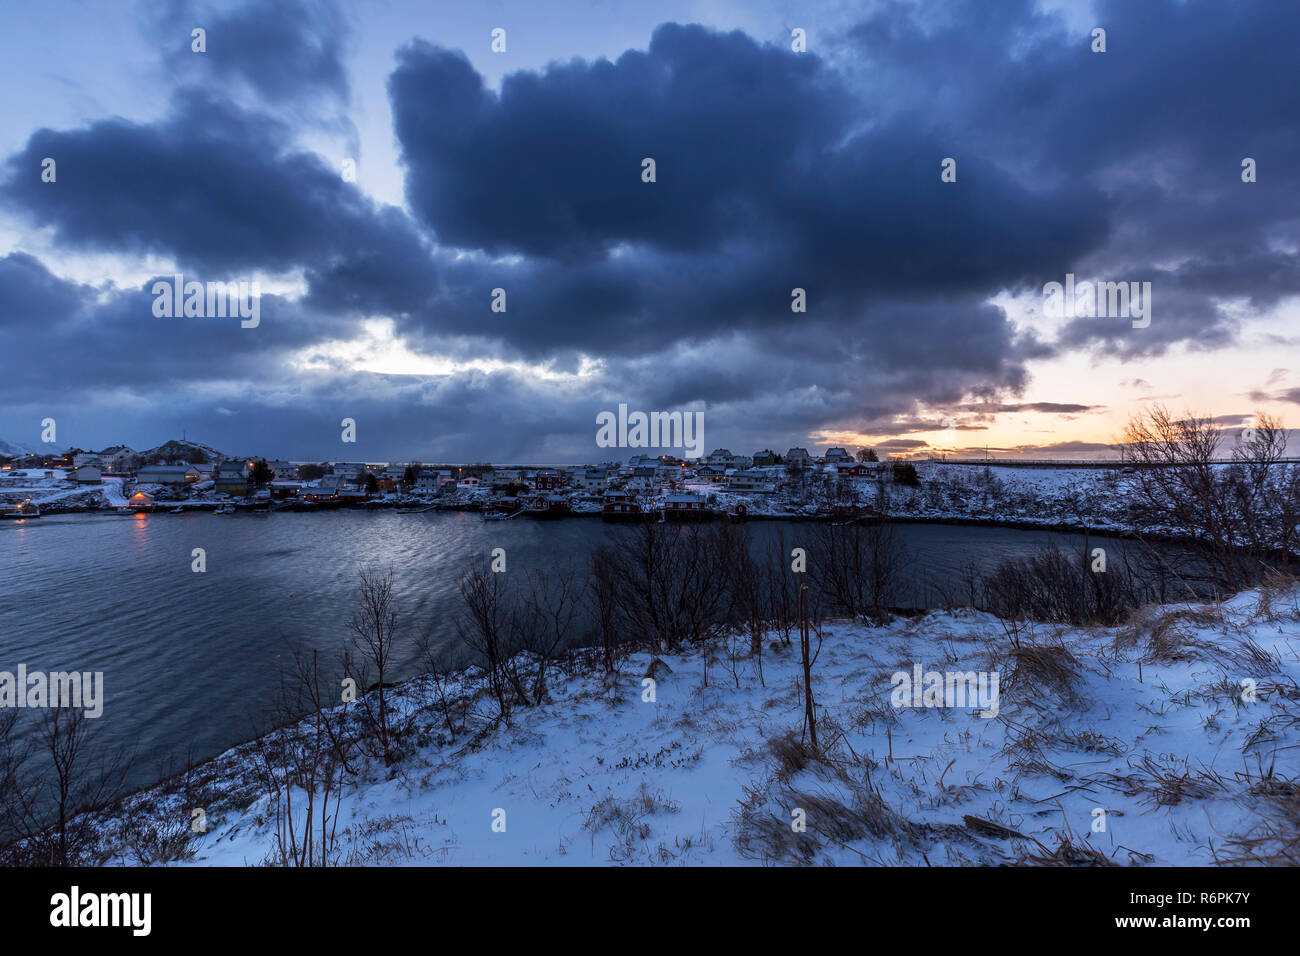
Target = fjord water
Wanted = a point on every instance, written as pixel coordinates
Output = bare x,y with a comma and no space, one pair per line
191,661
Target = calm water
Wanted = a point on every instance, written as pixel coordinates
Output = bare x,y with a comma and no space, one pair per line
190,660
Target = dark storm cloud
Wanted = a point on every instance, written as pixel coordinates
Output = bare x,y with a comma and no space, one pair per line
215,186
110,338
1159,124
285,50
32,299
763,175
774,170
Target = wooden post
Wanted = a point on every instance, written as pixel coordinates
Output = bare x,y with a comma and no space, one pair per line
809,718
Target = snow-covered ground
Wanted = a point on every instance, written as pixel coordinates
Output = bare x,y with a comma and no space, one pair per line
1132,745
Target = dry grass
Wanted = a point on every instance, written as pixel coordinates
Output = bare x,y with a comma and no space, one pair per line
1275,840
1038,669
1068,851
1167,636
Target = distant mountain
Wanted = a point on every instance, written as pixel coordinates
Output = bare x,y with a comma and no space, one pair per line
10,449
177,452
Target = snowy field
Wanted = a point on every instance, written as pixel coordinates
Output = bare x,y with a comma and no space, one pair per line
1131,745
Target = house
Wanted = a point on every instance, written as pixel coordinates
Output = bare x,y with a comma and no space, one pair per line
686,508
88,475
548,480
670,469
591,479
837,455
621,506
140,501
752,480
469,481
231,478
171,475
721,457
320,494
285,489
797,454
546,506
432,482
855,469
350,469
507,480
710,472
120,461
86,458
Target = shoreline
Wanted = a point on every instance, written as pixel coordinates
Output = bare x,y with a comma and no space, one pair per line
438,790
1018,524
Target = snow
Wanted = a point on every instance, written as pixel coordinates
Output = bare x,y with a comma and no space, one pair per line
1153,731
112,489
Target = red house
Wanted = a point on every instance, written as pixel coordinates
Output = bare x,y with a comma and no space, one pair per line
547,481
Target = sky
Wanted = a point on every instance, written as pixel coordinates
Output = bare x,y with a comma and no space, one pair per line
923,171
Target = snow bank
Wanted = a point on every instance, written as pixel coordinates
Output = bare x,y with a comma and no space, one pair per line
1131,745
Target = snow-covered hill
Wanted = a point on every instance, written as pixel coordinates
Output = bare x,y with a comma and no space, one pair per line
1172,740
181,452
10,449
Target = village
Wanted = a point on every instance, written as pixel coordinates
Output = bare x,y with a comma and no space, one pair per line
182,477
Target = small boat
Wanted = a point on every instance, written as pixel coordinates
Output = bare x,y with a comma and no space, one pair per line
225,510
24,510
490,516
178,510
414,511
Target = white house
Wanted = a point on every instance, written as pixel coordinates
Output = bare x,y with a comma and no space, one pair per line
120,461
174,475
590,479
752,480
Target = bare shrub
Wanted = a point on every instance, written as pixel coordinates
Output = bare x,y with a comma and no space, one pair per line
374,627
859,567
302,774
1242,514
484,627
1052,586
